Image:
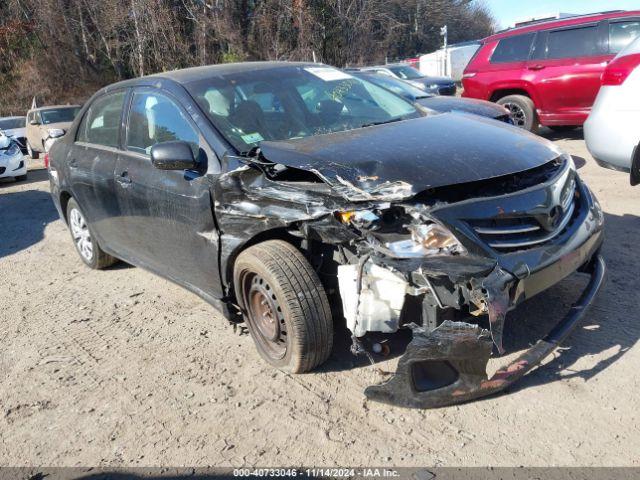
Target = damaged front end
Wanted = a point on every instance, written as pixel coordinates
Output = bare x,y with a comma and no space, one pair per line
439,261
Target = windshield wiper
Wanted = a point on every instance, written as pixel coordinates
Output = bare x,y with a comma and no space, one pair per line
252,152
396,119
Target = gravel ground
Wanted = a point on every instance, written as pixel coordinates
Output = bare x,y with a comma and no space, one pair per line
122,368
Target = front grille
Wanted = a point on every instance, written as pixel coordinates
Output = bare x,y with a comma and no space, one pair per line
522,232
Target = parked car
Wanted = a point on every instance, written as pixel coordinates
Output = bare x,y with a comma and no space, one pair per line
12,162
437,103
290,193
549,73
434,85
14,127
611,131
45,124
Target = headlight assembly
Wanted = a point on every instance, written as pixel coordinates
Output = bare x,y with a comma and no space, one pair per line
12,150
427,240
398,235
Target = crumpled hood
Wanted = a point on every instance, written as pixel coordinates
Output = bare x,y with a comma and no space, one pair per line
466,105
398,160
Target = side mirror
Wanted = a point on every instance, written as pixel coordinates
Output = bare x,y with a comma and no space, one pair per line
172,156
56,133
34,122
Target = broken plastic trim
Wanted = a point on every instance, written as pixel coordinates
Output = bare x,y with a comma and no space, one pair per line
424,377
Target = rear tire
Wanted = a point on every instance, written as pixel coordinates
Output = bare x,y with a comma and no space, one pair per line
84,239
522,111
32,153
285,306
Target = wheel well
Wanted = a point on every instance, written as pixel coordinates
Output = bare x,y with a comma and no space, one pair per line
498,94
64,201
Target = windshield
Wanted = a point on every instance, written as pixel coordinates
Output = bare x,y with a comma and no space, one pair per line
293,102
406,73
398,87
56,115
10,123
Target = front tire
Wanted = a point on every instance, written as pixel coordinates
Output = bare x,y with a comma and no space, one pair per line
285,306
522,111
32,153
84,239
21,178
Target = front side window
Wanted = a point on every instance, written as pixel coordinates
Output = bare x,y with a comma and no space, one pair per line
574,42
290,102
513,49
59,115
101,123
154,118
622,34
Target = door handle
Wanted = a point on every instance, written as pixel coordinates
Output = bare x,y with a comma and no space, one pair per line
123,179
536,67
73,163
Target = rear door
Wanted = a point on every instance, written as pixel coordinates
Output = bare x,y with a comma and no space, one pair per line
505,66
168,214
565,70
91,162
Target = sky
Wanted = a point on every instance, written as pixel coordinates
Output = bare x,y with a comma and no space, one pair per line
507,12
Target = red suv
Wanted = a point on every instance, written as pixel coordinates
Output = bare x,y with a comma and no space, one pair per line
549,72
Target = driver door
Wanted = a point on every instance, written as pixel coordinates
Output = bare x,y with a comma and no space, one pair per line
168,214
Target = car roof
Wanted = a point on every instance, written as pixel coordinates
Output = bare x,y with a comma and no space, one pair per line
193,74
51,107
563,22
14,117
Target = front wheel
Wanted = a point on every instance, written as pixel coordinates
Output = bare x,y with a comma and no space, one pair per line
285,306
84,240
21,178
522,111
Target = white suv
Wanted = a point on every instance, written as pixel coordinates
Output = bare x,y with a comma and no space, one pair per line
611,131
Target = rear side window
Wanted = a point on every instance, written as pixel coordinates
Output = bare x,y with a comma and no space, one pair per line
101,123
574,42
513,49
155,118
622,34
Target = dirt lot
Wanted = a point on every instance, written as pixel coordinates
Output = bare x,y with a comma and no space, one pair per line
120,367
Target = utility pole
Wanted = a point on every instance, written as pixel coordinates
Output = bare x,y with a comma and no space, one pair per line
444,32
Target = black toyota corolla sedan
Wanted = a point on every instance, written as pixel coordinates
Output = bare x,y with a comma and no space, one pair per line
294,195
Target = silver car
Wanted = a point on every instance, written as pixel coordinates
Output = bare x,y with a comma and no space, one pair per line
611,131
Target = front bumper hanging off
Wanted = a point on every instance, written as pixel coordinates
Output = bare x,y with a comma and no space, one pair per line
448,365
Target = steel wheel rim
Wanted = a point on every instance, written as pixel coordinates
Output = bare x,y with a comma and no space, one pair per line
516,113
81,234
265,316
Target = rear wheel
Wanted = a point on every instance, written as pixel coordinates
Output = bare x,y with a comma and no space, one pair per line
522,111
32,153
285,306
84,240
